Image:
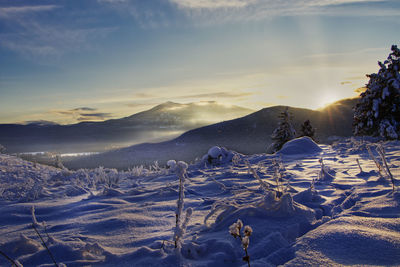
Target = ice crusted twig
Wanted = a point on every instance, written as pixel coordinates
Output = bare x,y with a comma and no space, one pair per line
13,262
44,245
263,185
359,166
180,226
377,163
235,231
35,224
381,152
34,220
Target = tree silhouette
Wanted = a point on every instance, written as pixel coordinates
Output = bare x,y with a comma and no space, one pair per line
378,111
285,132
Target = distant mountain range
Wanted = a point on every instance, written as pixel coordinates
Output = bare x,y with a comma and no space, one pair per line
248,135
162,122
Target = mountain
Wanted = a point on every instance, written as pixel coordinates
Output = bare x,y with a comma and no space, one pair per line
248,135
164,121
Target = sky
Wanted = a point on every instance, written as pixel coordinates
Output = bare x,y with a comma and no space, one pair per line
76,60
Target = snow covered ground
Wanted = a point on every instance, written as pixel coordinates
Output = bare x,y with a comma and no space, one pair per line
307,205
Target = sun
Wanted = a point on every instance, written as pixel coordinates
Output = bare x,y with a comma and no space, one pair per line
327,98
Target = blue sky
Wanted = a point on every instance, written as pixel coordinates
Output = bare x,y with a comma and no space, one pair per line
112,58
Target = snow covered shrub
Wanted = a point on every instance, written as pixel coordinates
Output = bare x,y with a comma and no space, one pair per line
171,165
325,174
264,186
276,202
181,225
378,111
306,129
2,149
112,178
234,230
278,177
137,171
285,132
58,162
217,155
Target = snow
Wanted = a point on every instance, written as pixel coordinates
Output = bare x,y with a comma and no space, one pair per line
292,216
302,145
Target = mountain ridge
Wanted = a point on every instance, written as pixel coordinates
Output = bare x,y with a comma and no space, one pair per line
248,135
158,123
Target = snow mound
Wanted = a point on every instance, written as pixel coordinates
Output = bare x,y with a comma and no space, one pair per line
217,155
302,145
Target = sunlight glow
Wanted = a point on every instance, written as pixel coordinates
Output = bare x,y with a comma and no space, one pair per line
327,98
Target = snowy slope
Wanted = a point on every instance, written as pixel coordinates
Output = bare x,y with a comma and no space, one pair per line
102,217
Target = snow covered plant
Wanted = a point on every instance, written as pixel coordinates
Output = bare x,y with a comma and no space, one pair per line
235,231
181,224
58,162
171,165
359,165
264,186
278,177
2,149
15,263
35,225
217,155
381,152
377,163
324,174
378,111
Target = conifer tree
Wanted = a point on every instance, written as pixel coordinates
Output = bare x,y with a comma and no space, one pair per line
285,132
307,130
378,111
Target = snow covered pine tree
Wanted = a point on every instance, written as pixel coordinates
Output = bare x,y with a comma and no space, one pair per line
307,130
378,111
285,132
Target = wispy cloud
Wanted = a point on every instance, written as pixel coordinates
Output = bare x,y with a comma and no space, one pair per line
222,11
94,116
217,95
12,11
84,109
82,114
33,32
213,4
265,4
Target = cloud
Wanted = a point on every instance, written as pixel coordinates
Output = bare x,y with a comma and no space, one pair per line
13,11
212,4
94,116
34,34
264,4
360,90
82,114
217,95
209,12
84,109
138,105
345,82
40,122
144,95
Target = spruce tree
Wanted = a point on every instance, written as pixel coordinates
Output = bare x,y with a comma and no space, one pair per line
285,131
378,111
307,130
